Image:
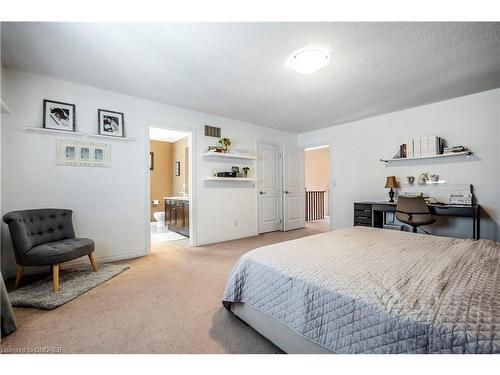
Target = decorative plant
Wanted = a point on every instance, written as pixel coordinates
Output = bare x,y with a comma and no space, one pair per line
245,171
225,143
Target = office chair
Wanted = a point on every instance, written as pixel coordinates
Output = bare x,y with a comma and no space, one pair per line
414,212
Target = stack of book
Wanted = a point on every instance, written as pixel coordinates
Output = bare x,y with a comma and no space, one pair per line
419,147
455,149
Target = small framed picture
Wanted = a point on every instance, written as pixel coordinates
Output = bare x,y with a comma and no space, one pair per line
111,123
70,152
99,154
177,168
58,115
85,153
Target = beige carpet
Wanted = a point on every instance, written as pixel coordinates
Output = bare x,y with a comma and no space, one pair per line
168,302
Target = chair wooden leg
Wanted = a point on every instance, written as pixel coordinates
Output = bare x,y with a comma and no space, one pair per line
92,262
19,275
55,276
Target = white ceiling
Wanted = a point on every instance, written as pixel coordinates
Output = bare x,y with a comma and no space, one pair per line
165,135
237,70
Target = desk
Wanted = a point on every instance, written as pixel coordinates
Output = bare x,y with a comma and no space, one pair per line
372,213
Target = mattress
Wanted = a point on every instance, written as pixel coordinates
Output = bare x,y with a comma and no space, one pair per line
276,332
368,290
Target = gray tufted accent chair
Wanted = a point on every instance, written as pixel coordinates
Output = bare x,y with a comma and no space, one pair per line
45,237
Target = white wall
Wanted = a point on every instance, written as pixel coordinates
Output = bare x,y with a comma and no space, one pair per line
358,174
111,204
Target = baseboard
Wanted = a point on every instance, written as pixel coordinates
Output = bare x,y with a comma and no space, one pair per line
209,241
28,270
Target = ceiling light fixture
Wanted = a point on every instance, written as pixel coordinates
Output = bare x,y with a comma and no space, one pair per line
309,60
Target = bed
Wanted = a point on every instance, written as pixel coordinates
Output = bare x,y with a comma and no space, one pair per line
368,290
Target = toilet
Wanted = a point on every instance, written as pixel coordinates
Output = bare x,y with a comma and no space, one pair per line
160,218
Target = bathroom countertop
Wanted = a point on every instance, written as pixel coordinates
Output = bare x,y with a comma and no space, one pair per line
179,198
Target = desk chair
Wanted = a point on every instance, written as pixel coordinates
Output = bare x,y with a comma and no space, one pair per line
414,212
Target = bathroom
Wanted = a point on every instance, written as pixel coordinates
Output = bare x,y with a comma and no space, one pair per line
169,185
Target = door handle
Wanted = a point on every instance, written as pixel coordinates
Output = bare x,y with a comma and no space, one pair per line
287,192
262,192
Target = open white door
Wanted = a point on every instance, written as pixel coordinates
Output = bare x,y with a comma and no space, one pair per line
294,190
269,187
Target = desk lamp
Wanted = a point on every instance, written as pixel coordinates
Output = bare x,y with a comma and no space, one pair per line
391,182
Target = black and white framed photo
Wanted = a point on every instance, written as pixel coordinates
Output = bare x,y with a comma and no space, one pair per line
111,123
58,115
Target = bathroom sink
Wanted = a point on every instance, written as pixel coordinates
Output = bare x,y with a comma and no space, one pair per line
179,198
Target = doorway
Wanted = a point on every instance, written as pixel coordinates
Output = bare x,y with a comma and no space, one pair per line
280,186
169,202
269,200
317,181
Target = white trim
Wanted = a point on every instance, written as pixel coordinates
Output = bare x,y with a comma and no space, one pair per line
193,187
331,180
209,241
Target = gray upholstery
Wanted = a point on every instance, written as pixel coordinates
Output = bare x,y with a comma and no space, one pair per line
413,211
45,236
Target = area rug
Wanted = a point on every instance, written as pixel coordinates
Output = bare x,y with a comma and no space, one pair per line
73,282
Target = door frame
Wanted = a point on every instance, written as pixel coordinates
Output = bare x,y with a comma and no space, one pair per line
331,180
281,145
192,143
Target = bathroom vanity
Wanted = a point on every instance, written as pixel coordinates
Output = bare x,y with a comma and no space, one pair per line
177,214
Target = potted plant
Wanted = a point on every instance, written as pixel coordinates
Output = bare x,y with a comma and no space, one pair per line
245,171
225,143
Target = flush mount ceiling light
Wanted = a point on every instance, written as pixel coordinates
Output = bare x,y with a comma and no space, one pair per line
309,60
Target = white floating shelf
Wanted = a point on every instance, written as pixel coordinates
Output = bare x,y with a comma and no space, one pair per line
54,131
3,107
77,134
240,179
416,184
466,153
229,155
110,137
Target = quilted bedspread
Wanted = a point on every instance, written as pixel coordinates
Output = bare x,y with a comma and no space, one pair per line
366,290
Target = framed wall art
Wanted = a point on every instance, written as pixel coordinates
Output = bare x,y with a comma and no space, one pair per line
111,123
177,168
58,115
83,153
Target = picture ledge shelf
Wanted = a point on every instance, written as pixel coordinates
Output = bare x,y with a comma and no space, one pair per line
463,153
78,134
230,155
239,179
